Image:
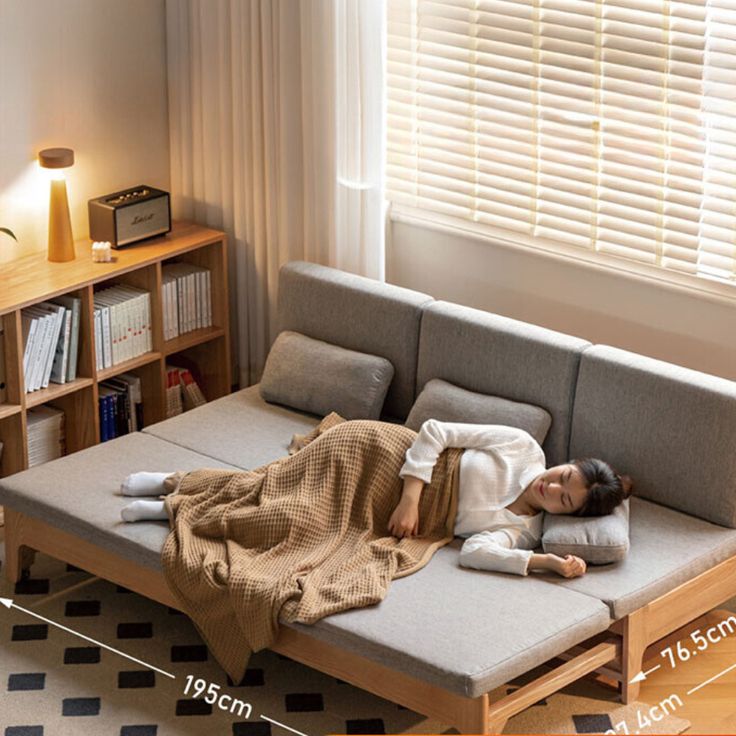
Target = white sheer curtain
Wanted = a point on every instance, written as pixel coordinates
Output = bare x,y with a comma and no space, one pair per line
276,120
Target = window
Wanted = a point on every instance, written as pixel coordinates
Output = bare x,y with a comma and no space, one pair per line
599,127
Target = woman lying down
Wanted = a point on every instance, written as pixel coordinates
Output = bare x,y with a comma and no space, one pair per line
503,487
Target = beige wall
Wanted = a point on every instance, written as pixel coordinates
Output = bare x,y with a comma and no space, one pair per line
88,75
603,307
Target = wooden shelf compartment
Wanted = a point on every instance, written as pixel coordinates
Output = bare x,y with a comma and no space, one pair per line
14,457
128,365
209,364
190,339
9,410
56,391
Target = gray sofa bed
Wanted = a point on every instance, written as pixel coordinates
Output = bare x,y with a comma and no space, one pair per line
446,639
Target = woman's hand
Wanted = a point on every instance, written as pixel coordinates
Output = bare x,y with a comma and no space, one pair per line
569,567
404,521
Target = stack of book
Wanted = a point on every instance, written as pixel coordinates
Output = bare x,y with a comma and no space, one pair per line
182,391
122,316
120,406
45,434
187,298
50,342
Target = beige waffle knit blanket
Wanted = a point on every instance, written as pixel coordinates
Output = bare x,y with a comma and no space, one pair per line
301,538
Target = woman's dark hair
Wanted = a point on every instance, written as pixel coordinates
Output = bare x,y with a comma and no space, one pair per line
606,489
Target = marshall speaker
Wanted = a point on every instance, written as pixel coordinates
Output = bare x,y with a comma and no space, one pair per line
123,218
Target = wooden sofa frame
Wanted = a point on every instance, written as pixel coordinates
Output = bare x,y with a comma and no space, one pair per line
614,656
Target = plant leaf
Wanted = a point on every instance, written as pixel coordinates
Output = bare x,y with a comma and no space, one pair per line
8,232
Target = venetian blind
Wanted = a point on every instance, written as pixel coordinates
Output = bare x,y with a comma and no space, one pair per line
605,125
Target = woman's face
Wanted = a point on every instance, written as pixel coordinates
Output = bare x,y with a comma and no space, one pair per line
560,489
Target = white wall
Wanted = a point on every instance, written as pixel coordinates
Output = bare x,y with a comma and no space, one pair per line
603,307
83,74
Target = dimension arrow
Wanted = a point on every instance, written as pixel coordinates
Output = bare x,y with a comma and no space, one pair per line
288,728
643,675
710,679
8,603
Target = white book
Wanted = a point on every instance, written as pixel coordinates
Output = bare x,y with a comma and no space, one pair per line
139,304
148,321
61,358
191,301
202,290
99,352
29,326
165,308
41,347
75,305
106,336
107,301
208,296
197,301
57,314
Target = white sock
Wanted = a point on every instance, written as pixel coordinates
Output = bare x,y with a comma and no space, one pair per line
144,484
143,510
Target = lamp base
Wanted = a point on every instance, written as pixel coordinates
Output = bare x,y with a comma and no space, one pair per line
61,242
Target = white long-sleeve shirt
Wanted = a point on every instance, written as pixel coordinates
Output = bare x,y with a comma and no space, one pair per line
499,462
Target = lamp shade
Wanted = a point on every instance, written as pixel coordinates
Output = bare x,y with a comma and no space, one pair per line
56,158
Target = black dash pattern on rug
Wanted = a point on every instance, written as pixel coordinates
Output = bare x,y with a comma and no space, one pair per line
82,655
24,731
135,631
259,728
592,723
189,653
143,730
82,608
27,681
193,708
30,632
136,678
303,702
80,707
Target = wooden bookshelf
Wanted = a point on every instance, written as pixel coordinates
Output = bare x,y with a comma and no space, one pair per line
32,279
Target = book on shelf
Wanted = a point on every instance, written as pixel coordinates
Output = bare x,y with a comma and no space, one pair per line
122,324
46,440
120,406
50,342
187,298
73,305
174,405
182,392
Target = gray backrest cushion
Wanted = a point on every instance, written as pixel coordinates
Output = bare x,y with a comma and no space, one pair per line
598,540
449,403
672,429
495,355
357,313
315,376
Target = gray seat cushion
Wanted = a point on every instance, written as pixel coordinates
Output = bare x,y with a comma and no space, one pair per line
79,494
240,429
464,630
667,549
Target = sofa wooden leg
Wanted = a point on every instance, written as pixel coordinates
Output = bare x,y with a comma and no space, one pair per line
634,645
18,558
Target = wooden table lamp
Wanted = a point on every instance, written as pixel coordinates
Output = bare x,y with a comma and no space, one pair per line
61,242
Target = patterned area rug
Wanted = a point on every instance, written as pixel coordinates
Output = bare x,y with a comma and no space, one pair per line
56,684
